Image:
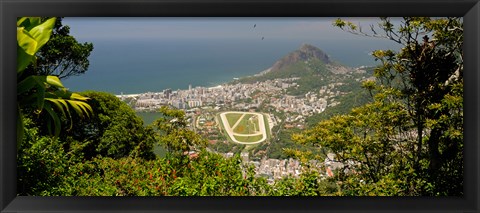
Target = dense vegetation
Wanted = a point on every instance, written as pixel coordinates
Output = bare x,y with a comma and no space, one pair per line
407,139
355,97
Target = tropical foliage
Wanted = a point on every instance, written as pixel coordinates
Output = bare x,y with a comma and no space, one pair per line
39,94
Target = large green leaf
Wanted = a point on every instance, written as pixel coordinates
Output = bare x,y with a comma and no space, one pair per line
77,96
28,22
31,36
68,99
21,21
42,32
79,107
64,103
26,85
86,107
32,82
38,84
26,41
58,103
23,59
40,93
54,81
61,93
55,118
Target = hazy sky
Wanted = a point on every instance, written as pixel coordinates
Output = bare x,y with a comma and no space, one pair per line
91,28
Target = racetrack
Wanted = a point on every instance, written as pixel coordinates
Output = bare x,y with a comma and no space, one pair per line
230,129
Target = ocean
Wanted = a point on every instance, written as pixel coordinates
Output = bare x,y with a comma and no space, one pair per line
132,66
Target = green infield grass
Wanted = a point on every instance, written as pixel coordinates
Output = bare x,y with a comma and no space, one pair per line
247,139
247,125
233,118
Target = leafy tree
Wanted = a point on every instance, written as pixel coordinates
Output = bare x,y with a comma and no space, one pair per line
365,140
63,56
428,71
174,134
115,131
408,141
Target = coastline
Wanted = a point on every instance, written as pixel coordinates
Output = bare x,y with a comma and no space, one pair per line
138,94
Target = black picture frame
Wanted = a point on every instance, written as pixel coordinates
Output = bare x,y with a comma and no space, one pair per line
11,9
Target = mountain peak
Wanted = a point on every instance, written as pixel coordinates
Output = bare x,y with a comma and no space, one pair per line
311,51
305,52
306,46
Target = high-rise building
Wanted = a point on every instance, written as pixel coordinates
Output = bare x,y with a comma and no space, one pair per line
167,92
178,104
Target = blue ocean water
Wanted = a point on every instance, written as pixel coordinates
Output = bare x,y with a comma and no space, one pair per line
137,66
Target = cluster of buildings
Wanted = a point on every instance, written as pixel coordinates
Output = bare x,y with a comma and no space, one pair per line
241,96
275,169
236,96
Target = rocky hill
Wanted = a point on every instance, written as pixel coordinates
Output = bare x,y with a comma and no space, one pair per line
311,65
305,53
